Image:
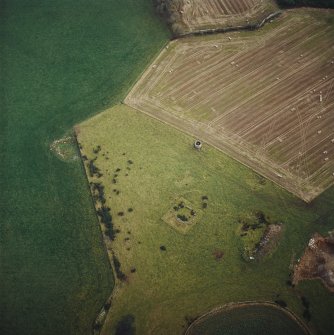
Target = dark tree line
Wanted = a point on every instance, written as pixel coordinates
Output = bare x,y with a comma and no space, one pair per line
103,211
306,3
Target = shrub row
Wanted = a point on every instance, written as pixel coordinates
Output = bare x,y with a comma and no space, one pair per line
119,274
93,169
98,192
104,213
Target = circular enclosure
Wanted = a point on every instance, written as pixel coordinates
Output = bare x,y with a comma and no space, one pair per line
198,144
248,319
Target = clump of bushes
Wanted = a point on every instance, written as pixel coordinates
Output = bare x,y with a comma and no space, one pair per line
119,274
97,149
107,305
170,10
253,231
289,282
281,303
179,206
104,213
182,217
163,248
98,192
261,220
125,326
93,169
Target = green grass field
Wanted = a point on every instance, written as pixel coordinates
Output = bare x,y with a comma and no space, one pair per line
60,62
146,165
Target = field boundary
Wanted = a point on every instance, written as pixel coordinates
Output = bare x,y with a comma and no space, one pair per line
233,305
102,314
155,56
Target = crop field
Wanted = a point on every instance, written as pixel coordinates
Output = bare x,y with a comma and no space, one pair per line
60,62
266,98
199,14
147,169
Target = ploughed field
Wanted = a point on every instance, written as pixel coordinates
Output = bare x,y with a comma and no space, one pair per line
266,98
199,14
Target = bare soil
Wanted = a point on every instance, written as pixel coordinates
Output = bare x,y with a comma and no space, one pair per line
269,240
317,262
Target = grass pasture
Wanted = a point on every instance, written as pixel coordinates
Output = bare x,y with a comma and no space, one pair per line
60,62
207,14
173,277
266,98
183,215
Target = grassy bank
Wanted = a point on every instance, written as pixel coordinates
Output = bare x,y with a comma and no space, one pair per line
60,62
172,277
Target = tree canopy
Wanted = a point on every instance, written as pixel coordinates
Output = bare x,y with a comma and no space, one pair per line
311,3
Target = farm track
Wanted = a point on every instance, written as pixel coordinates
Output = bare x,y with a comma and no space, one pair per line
266,98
